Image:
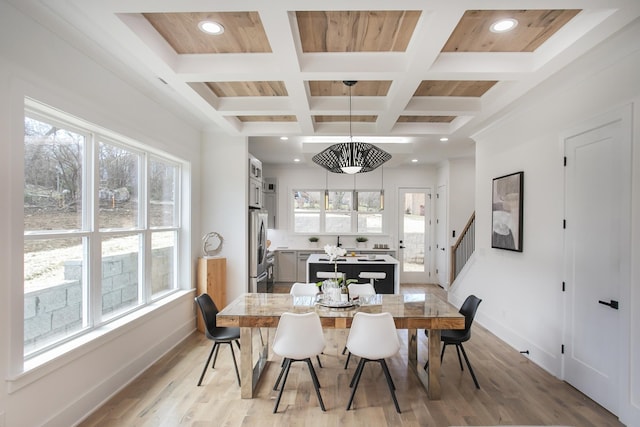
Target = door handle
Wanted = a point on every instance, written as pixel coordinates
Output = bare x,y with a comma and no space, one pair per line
613,304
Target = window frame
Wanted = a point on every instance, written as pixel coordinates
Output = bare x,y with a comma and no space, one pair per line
92,236
354,213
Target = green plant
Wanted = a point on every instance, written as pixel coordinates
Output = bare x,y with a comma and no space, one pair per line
313,239
361,239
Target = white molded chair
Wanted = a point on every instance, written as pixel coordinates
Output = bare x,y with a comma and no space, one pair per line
373,337
299,289
361,289
358,290
298,338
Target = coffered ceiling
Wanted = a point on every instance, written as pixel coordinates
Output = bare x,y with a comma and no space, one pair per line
425,69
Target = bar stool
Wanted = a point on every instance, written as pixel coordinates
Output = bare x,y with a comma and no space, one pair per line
330,275
373,276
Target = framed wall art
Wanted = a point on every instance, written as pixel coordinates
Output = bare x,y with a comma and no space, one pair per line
506,212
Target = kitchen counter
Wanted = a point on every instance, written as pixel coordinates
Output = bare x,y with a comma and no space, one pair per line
321,249
352,266
324,259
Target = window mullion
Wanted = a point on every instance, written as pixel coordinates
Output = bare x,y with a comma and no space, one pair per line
93,286
145,251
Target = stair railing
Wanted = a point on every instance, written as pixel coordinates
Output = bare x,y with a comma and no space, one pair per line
462,250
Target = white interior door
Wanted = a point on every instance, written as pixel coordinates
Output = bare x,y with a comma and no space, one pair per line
597,215
441,236
413,234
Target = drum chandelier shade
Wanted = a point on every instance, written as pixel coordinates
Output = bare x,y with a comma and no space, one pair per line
351,157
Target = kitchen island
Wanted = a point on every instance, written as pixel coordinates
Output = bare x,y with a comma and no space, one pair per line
352,266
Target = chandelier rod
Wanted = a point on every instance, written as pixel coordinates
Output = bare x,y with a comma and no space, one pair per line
350,133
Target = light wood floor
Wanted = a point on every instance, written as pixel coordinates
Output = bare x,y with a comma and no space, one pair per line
514,391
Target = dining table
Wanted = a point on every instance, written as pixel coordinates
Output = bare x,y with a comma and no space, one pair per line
255,312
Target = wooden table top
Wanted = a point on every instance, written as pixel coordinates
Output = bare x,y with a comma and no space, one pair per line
410,311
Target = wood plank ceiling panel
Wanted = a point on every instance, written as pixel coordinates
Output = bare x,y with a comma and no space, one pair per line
356,31
338,88
287,118
237,89
469,88
361,119
425,119
243,32
472,34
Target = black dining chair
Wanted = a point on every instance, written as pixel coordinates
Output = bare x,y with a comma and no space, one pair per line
219,335
458,336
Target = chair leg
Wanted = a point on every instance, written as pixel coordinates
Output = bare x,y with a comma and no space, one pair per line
346,364
215,355
314,376
464,353
459,358
235,364
287,365
390,383
316,383
356,380
206,365
344,350
360,367
318,359
282,368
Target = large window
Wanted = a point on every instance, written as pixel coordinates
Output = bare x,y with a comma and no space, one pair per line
101,228
343,212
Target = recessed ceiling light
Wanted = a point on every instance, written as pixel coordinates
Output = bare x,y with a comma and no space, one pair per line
503,25
444,139
414,160
296,160
211,27
284,138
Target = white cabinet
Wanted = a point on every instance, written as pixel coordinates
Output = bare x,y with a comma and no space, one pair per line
302,265
255,193
286,266
271,205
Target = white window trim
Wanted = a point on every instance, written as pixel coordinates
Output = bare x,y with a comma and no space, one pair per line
24,371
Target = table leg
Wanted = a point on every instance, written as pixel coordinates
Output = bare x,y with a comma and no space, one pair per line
249,372
430,380
246,364
433,389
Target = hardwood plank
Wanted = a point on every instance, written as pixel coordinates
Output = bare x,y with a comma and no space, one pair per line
513,391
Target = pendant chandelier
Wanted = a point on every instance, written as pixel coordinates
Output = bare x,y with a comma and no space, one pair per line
351,157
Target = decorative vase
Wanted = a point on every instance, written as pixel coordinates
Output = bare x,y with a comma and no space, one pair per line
331,291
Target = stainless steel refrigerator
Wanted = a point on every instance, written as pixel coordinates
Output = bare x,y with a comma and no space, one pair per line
257,250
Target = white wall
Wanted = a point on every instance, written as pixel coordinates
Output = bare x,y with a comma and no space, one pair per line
225,204
462,187
36,63
521,292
